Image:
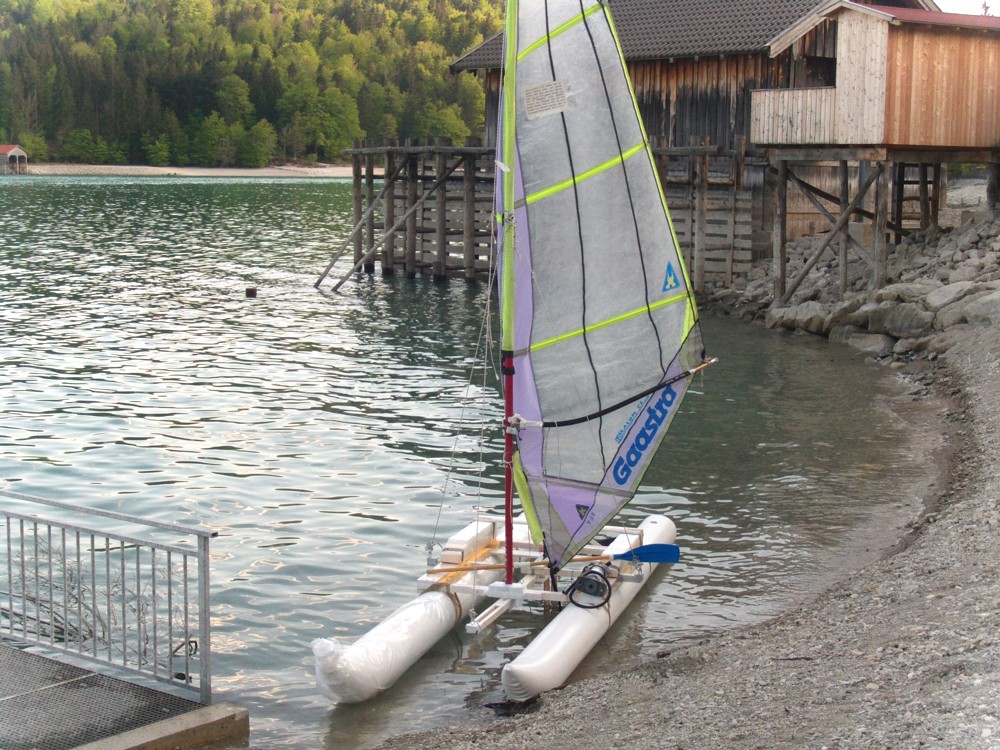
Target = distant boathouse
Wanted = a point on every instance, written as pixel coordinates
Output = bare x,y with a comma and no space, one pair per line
13,159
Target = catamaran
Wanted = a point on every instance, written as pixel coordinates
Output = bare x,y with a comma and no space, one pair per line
600,340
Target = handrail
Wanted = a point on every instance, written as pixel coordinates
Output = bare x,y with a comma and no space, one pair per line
123,599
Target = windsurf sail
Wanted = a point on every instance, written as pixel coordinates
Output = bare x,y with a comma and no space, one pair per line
599,325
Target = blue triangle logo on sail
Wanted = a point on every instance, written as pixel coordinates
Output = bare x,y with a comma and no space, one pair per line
583,510
670,281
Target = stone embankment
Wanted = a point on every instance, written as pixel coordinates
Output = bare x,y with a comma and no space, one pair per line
940,282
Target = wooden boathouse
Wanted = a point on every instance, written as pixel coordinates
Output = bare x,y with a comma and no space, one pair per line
741,98
912,90
13,159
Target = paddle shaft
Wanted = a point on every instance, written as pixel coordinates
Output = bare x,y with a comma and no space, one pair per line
501,566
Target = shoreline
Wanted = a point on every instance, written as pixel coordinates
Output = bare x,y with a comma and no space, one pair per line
327,171
901,652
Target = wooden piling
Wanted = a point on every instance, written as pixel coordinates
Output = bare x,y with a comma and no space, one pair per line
370,200
441,218
412,180
444,223
357,187
389,215
469,211
780,256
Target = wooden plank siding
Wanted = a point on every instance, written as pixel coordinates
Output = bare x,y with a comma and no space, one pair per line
794,116
862,44
944,87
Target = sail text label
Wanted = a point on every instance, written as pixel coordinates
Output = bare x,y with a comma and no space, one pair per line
656,415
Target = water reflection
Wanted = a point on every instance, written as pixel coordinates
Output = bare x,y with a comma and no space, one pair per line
316,433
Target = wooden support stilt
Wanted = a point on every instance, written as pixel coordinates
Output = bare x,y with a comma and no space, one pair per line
356,170
699,227
469,212
441,221
880,247
841,222
779,232
370,198
925,199
389,215
936,200
412,178
845,232
898,197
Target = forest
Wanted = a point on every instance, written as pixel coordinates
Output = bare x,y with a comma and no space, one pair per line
234,82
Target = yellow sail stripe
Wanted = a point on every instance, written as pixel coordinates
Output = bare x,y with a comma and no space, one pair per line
561,28
592,172
527,501
682,297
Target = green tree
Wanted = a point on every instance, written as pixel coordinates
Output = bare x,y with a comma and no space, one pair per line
436,120
234,100
35,146
157,150
258,146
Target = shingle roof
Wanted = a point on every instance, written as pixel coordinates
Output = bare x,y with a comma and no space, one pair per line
680,28
651,29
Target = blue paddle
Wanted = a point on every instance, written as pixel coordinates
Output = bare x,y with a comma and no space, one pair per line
648,553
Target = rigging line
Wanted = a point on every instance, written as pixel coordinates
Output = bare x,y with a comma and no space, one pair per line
579,231
631,400
628,184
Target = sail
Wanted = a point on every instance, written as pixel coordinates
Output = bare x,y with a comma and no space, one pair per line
598,317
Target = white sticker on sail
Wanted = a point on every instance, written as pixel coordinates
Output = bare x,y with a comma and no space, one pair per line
544,99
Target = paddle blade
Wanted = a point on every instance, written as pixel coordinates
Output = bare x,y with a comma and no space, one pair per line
652,553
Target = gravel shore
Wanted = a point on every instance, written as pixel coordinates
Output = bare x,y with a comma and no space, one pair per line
904,653
127,170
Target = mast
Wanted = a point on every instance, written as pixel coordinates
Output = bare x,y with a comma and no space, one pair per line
505,166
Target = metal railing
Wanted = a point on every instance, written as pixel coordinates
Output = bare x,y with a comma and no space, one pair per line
108,592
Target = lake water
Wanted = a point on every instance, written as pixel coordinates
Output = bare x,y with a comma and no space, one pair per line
326,438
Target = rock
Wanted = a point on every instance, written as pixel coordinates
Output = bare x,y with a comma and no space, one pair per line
985,310
813,317
968,271
955,313
862,316
907,292
908,320
874,344
948,294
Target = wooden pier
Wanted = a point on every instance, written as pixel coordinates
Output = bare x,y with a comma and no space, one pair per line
433,213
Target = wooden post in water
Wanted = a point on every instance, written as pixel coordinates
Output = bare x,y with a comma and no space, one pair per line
370,199
412,179
441,217
699,230
778,234
470,165
356,174
389,214
845,233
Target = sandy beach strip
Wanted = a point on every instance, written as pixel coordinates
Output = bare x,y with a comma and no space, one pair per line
326,171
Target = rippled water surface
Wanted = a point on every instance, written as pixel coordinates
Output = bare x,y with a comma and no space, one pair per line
326,437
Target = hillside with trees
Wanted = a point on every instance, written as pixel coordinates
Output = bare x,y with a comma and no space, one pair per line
234,82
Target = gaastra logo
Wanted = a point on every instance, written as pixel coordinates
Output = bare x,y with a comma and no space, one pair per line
656,415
